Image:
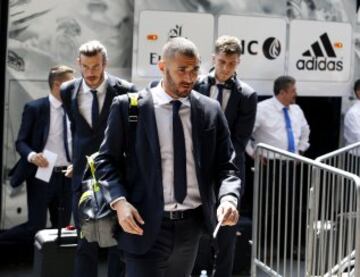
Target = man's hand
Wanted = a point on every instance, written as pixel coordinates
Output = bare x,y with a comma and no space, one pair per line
227,213
69,171
128,217
39,160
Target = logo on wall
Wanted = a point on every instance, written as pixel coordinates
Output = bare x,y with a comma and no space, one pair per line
175,32
321,56
271,48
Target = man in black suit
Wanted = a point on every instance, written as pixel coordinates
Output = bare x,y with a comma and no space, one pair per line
165,190
43,127
238,100
87,101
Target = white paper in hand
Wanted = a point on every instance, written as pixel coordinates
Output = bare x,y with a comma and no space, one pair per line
217,228
44,173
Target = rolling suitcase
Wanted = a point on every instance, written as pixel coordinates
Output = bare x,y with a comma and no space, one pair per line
54,249
54,252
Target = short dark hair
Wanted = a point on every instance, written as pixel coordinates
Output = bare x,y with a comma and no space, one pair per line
228,45
57,73
357,85
92,48
182,46
283,82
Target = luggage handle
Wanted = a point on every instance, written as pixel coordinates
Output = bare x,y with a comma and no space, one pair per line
39,246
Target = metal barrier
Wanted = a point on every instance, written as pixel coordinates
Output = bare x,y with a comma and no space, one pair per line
300,216
337,204
346,158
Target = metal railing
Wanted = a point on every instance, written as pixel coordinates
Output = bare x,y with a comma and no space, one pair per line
335,202
346,158
299,216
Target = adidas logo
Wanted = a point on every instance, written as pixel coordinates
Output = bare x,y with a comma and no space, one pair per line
316,48
321,56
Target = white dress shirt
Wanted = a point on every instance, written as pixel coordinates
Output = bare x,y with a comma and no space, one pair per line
352,124
55,140
85,98
270,126
214,91
163,116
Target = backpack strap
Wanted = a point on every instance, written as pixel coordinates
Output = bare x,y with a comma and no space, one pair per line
133,107
133,115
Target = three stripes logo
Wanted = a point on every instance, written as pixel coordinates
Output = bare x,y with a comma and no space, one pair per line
321,56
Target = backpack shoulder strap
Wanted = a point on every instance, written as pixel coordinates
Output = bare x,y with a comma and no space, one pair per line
133,107
133,115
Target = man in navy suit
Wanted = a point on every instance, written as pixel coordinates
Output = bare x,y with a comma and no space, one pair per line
238,100
43,126
165,190
87,101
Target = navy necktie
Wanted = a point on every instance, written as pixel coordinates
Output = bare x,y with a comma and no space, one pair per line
94,108
219,98
65,136
289,131
179,154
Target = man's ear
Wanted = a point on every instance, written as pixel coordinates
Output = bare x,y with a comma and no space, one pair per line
56,84
357,94
78,61
161,65
282,92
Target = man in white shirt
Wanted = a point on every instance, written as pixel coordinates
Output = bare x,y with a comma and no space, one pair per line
270,123
281,123
351,120
238,101
87,102
44,126
180,170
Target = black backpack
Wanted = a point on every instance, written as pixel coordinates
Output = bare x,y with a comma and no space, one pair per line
97,220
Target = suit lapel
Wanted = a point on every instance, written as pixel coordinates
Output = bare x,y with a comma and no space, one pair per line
75,102
46,119
196,120
109,93
148,123
232,103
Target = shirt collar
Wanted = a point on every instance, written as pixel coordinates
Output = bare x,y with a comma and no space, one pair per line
160,97
100,89
54,101
278,105
218,82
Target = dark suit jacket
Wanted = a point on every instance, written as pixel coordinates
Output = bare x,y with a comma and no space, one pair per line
33,134
138,176
87,139
240,112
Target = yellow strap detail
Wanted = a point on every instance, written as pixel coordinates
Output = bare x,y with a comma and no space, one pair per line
85,196
133,98
90,160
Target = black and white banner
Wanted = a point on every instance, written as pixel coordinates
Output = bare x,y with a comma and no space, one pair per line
320,51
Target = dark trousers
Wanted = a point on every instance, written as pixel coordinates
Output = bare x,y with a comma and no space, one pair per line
284,202
226,243
55,196
86,260
226,238
172,254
